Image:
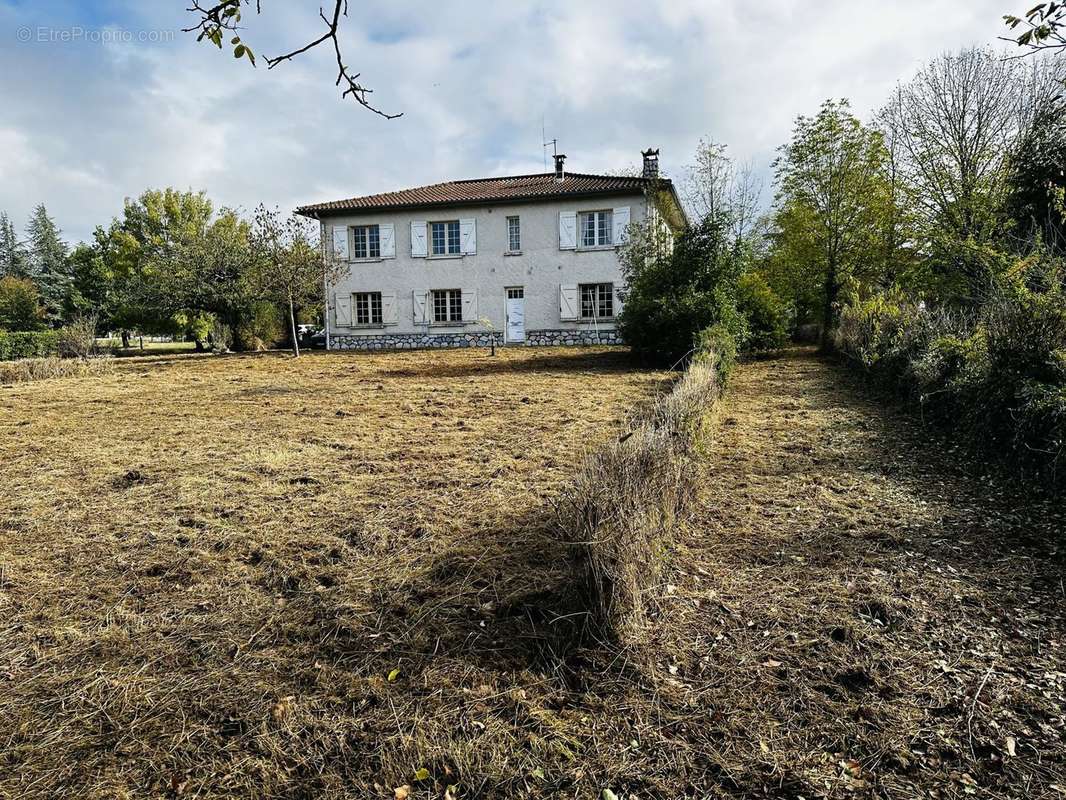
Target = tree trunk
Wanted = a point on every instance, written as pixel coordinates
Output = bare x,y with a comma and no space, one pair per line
292,329
125,340
827,309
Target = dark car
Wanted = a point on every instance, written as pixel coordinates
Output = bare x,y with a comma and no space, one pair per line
315,340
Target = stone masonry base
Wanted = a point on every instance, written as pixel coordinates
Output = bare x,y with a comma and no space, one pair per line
417,341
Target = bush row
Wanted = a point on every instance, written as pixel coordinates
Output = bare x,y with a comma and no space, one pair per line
28,344
620,514
38,369
995,376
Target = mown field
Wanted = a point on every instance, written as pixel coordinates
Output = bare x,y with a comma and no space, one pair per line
337,577
262,577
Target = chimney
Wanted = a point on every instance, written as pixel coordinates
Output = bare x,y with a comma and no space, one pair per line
560,173
651,163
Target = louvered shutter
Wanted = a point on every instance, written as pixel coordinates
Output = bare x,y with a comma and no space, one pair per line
468,236
567,230
620,293
419,248
621,225
343,310
389,315
568,307
387,234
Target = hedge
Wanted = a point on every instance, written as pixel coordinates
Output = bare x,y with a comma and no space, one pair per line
28,344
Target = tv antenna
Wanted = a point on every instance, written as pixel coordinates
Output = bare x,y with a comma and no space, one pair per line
544,144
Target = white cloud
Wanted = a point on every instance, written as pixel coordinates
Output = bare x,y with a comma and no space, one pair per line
83,125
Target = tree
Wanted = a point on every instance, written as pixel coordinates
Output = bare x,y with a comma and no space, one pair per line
1036,199
675,292
12,256
20,307
92,282
714,186
290,262
1043,27
46,262
222,21
830,180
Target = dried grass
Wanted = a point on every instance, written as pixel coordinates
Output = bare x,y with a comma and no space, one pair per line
38,369
620,516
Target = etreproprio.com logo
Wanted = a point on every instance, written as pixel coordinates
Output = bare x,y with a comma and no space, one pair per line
76,34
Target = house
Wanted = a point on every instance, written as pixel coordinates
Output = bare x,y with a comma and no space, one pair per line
528,259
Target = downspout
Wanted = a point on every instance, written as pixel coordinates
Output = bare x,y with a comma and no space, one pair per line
325,282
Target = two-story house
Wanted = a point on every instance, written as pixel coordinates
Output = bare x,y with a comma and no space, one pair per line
530,259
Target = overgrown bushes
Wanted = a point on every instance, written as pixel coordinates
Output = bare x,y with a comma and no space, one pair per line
768,316
28,344
620,514
995,375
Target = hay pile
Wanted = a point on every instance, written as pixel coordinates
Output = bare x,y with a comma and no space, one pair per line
619,517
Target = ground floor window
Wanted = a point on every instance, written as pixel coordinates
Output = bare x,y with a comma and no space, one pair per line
597,300
447,305
368,308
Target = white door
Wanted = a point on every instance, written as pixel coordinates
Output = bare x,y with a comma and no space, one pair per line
516,314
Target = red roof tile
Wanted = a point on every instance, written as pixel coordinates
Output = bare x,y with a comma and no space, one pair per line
513,188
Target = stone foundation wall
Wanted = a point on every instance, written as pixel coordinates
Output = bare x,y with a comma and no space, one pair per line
571,338
419,341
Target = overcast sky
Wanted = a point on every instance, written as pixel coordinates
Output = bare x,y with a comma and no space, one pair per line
101,100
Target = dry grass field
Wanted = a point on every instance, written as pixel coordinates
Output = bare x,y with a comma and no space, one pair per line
259,577
254,577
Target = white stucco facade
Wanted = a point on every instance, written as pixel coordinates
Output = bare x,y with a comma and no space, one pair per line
550,268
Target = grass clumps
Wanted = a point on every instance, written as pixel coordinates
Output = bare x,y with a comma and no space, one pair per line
621,513
26,370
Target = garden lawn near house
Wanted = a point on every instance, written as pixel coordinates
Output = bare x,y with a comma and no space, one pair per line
330,577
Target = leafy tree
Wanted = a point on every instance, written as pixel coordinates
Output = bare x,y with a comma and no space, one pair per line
20,306
92,282
767,315
676,290
12,256
831,191
1037,182
290,262
46,262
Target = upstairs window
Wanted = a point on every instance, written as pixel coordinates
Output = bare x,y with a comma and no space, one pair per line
447,305
368,308
597,300
596,228
514,234
367,241
445,238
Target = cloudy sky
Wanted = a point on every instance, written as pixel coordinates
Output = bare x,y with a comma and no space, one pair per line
102,99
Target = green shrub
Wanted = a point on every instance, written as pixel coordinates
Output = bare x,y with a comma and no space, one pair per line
20,305
717,346
28,344
262,328
996,376
767,315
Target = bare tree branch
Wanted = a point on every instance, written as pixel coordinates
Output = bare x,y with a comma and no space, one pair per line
223,18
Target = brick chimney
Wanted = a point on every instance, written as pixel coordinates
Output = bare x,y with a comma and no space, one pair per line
651,163
560,173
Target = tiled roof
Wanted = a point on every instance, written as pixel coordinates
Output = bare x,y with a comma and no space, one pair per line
513,188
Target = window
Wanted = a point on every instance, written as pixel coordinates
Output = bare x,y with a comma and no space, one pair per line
445,237
596,229
368,308
367,241
597,300
447,305
514,234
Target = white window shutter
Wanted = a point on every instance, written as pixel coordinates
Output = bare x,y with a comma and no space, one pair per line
387,237
389,314
470,305
468,236
567,230
340,243
568,301
342,304
419,248
419,302
621,225
619,297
